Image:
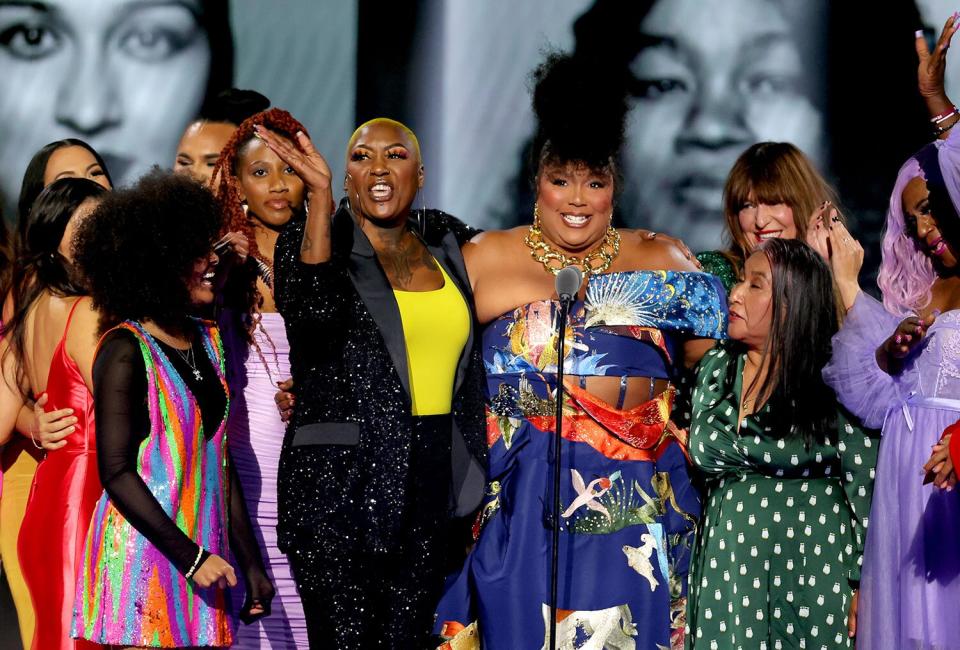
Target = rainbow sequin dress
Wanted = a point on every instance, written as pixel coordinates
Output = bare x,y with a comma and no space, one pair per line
128,592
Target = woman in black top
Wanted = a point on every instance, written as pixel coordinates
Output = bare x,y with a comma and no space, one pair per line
367,487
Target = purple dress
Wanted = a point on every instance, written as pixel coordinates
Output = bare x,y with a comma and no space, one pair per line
910,582
255,437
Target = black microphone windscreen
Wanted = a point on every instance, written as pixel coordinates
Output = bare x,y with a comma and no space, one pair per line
568,282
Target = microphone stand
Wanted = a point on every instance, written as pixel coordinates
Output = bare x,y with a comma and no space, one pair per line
565,301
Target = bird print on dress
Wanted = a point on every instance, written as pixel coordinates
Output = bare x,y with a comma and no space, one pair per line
613,505
587,495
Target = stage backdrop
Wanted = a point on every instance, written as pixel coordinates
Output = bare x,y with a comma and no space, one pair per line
128,76
712,77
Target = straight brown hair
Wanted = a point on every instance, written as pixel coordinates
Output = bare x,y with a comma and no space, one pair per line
772,173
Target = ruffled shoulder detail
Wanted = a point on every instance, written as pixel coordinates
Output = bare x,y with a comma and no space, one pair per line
688,303
861,386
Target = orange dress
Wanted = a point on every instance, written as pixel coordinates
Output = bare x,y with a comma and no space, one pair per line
18,463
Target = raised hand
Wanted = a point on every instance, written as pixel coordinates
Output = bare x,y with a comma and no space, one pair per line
313,170
828,236
815,225
932,67
235,243
307,162
232,249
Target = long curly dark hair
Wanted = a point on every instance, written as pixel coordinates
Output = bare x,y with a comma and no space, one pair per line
39,265
138,249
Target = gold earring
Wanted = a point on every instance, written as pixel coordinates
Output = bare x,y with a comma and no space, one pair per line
536,216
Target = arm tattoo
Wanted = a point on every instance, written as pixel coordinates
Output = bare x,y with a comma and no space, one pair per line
306,244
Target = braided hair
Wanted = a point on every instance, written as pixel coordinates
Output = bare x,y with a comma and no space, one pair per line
224,179
241,291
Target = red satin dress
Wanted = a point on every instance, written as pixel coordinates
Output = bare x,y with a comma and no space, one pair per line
65,490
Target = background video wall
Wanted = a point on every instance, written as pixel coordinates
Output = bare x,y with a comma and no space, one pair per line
711,77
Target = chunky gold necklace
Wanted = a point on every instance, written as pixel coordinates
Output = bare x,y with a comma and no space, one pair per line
596,261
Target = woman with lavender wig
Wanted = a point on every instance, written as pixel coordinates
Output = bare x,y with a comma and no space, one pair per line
897,365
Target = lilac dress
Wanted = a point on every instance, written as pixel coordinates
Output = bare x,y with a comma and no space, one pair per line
255,437
910,584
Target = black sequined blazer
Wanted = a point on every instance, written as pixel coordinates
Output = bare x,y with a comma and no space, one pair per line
345,455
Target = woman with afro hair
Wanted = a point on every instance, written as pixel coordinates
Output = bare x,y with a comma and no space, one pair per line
172,516
258,193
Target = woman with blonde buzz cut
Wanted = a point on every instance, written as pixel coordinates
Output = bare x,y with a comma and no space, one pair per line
388,423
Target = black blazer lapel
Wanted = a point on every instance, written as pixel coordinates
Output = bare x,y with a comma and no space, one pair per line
371,283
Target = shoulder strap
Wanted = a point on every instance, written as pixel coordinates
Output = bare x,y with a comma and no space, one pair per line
66,327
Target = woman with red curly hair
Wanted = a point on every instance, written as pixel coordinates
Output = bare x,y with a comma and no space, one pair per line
258,194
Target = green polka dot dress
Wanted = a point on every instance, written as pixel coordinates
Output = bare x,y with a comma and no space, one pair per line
779,546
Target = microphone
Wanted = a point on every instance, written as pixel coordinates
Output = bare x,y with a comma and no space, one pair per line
568,282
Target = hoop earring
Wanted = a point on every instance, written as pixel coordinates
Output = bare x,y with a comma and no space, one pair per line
422,217
358,213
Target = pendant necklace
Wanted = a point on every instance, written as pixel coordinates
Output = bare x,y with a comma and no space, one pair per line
189,359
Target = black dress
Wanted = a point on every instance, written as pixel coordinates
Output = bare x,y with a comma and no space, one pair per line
366,490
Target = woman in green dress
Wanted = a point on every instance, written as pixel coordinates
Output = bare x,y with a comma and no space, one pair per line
788,475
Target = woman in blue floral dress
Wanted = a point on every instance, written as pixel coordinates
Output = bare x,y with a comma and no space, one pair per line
628,510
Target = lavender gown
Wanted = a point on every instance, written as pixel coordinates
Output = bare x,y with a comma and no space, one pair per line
255,436
910,582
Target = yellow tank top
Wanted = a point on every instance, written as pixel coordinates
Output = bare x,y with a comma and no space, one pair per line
436,325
